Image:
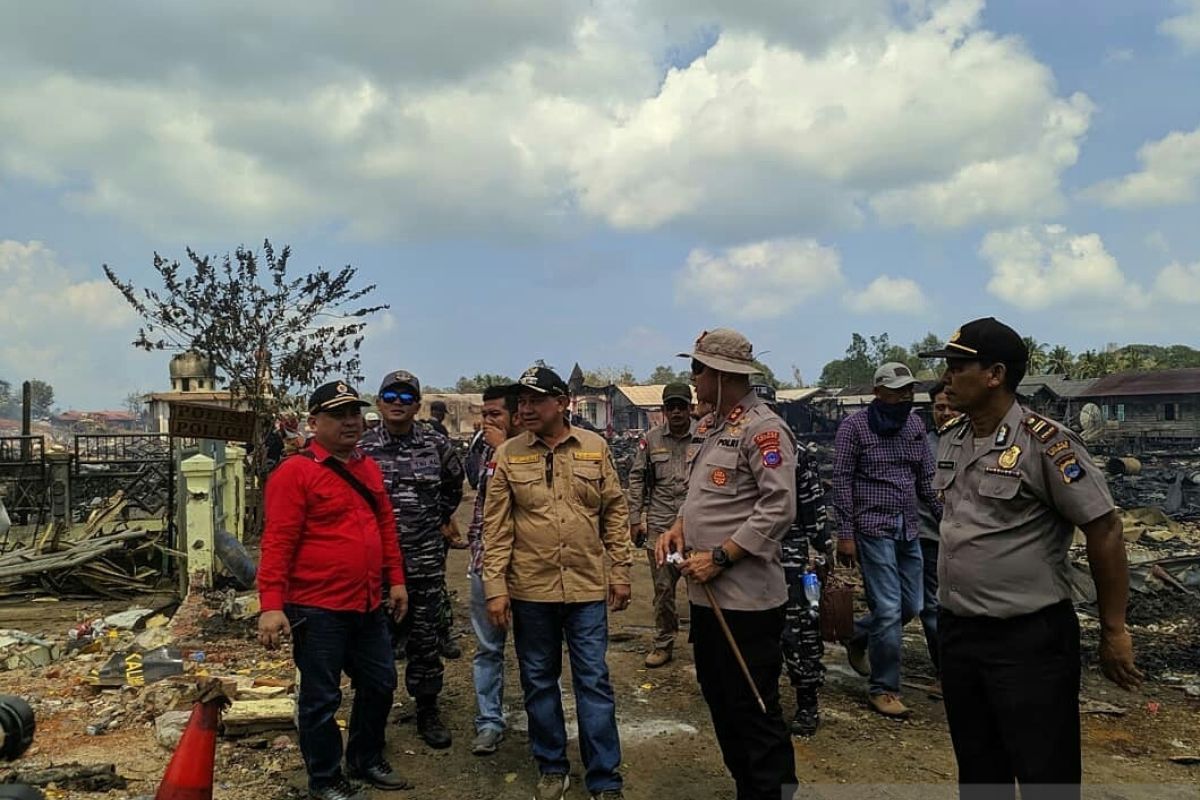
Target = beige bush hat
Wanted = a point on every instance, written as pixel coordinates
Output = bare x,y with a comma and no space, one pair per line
725,350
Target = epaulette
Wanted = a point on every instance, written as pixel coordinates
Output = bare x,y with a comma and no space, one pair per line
952,424
1042,429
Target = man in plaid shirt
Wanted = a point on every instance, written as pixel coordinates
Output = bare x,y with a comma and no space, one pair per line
881,464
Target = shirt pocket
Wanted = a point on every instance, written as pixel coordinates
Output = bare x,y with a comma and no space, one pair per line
661,464
999,487
529,487
585,480
720,471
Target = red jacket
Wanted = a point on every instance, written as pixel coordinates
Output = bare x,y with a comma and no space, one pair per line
322,545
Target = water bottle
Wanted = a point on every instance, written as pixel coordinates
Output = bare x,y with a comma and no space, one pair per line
812,591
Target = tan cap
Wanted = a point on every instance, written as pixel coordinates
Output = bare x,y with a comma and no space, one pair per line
725,350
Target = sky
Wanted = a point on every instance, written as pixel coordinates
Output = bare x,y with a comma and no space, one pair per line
600,182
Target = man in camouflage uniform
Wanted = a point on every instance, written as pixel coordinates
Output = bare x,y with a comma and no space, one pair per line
657,488
423,476
802,644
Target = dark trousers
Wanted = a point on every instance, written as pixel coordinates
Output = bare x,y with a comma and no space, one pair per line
929,609
324,645
757,747
1012,700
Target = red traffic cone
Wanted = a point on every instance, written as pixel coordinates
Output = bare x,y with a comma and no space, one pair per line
189,776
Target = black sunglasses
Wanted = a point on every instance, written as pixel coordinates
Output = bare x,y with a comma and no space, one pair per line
697,368
672,405
403,398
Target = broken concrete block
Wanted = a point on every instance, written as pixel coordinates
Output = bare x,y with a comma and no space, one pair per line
126,620
168,727
153,638
244,717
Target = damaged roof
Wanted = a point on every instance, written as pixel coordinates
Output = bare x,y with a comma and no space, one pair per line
647,396
1058,385
1167,381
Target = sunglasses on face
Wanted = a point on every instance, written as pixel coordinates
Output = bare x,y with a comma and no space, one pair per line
697,368
677,405
403,398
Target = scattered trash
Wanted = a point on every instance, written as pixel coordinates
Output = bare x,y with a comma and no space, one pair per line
80,777
1101,708
19,650
126,620
138,669
1153,708
1188,761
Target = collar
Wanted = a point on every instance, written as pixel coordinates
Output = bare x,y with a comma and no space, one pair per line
1006,432
666,431
739,411
320,453
529,439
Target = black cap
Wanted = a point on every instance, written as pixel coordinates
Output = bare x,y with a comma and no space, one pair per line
543,380
677,391
334,395
985,339
438,405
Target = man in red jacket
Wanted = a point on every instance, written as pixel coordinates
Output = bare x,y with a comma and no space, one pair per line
328,544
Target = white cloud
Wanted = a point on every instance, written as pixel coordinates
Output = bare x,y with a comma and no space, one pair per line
761,280
887,295
532,116
1179,283
1035,268
1170,175
1185,28
62,327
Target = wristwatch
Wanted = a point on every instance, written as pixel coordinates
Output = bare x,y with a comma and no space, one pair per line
721,558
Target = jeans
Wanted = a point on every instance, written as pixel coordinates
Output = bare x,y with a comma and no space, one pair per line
488,664
929,608
756,747
324,645
893,578
538,633
1012,701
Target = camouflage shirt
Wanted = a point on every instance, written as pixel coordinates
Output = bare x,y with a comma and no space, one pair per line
423,475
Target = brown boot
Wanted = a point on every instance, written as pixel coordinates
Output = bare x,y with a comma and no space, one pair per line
658,657
889,705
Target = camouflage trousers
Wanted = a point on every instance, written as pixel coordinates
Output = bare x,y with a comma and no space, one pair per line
801,641
420,634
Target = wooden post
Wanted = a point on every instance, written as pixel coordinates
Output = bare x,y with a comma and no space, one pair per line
201,554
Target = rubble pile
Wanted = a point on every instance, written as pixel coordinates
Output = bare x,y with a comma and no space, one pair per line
1167,481
109,558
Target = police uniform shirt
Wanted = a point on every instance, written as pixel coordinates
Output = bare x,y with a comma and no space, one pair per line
742,482
1012,503
666,456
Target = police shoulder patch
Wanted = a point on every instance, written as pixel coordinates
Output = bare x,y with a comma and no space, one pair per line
952,424
1042,429
1058,447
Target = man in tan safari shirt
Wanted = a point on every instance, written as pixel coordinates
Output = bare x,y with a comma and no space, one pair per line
657,489
741,501
554,511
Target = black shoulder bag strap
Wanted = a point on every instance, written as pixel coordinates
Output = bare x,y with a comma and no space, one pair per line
343,473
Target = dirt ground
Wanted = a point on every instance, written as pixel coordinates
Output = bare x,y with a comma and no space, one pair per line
669,751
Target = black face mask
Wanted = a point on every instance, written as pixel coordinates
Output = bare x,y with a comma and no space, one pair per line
887,419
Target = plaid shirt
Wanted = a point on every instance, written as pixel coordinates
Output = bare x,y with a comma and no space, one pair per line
475,532
877,479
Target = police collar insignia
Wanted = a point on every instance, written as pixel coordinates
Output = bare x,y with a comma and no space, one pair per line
1043,429
1002,435
735,415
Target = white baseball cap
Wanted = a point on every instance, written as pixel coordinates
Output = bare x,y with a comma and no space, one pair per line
894,375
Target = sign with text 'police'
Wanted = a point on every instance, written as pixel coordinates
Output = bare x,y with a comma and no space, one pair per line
196,421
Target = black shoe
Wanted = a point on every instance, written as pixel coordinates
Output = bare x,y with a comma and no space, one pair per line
451,650
342,790
805,722
381,776
430,726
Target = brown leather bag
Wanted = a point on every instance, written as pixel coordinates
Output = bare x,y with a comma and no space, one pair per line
837,606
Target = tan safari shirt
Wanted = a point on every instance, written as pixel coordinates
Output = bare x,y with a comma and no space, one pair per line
658,479
1011,509
550,518
742,483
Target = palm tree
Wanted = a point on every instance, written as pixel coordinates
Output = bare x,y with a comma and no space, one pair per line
1037,356
1059,361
